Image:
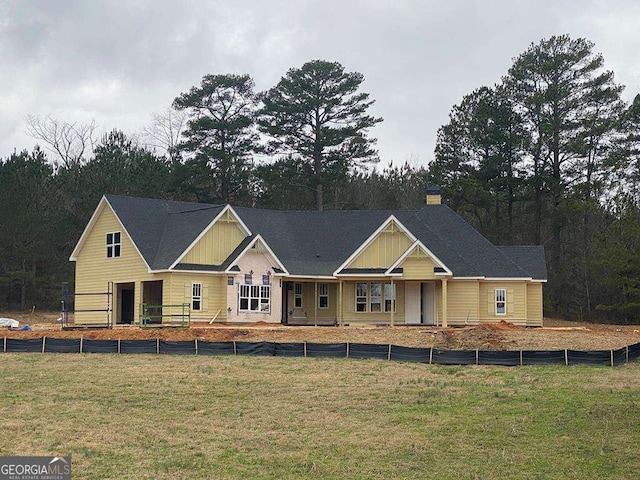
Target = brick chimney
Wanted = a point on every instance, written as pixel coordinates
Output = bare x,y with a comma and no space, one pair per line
434,195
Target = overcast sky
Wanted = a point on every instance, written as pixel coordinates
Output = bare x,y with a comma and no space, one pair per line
119,61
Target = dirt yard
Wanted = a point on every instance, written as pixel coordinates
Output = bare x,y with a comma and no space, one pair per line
556,334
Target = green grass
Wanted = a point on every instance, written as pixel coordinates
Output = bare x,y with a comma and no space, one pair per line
175,417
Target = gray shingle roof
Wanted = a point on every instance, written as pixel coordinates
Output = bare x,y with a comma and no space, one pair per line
312,243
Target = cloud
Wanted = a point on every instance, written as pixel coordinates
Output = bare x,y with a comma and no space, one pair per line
117,62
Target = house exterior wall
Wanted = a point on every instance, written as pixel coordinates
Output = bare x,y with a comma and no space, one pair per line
385,249
94,270
516,301
462,296
418,268
217,244
534,304
260,264
349,314
179,287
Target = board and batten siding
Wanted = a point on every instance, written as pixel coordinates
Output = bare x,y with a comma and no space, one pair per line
217,244
384,250
534,304
94,270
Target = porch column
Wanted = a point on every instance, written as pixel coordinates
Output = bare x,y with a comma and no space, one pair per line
315,304
340,320
444,302
393,300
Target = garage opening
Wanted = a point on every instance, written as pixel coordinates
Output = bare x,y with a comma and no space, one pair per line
125,301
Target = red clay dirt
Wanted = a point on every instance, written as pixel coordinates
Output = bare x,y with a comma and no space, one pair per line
556,334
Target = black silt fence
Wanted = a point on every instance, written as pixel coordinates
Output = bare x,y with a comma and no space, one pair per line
23,345
215,348
327,350
634,351
543,357
290,349
139,346
453,357
177,347
508,358
369,350
267,349
99,346
61,345
410,354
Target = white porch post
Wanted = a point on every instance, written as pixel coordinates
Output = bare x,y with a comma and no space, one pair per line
340,319
393,300
444,302
315,304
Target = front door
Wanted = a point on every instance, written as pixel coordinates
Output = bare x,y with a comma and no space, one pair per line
125,294
412,302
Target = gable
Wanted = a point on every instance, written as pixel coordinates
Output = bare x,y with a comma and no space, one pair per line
384,248
257,252
418,264
91,251
217,243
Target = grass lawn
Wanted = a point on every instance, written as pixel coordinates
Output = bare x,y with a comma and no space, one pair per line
186,417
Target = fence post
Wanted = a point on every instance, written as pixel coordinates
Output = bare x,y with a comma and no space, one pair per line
430,355
44,342
235,350
118,345
626,355
477,357
566,357
347,349
81,338
612,357
196,346
521,358
304,346
389,353
4,349
157,346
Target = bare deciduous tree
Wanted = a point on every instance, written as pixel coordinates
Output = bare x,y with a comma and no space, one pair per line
165,130
71,142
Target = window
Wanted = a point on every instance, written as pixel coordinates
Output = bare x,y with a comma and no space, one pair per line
196,297
501,301
323,295
229,281
375,299
265,280
389,297
248,278
113,244
297,295
361,297
255,298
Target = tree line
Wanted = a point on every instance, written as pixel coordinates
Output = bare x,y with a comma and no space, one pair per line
548,155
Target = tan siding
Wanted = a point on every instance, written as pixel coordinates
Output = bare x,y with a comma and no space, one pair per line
385,249
216,245
94,270
516,301
214,294
349,305
534,304
462,302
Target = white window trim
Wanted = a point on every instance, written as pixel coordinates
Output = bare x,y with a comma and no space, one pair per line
503,301
393,298
260,297
195,297
365,296
113,245
325,287
379,298
297,295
